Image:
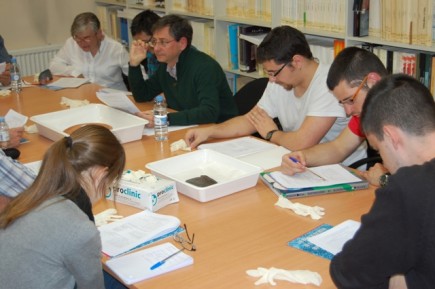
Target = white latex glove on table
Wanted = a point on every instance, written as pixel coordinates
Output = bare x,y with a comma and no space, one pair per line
294,276
315,212
107,216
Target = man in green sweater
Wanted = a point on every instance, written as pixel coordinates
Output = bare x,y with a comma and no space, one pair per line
192,82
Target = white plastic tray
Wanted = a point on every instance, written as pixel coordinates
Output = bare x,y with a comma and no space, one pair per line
126,127
231,174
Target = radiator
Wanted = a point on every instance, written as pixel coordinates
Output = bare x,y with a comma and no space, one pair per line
34,60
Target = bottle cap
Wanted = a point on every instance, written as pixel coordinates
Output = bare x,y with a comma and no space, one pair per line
159,97
13,59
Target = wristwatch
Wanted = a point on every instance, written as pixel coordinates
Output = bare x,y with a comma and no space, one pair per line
383,180
270,134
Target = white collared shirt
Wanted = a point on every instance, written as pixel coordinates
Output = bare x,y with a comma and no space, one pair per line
105,68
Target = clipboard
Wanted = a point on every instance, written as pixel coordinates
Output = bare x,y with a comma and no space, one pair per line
312,191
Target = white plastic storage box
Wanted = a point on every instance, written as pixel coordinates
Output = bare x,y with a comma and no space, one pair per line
231,174
126,127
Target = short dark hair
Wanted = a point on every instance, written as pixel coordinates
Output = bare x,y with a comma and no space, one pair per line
178,27
84,20
353,63
143,22
281,44
398,100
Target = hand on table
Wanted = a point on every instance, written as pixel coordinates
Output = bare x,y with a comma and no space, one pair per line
196,136
15,136
148,115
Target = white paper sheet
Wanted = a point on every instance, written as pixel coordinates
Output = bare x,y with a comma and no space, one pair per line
334,239
15,119
118,100
135,267
333,175
68,82
129,232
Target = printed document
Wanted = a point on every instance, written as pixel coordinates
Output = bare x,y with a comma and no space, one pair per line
128,233
332,174
67,82
334,239
118,100
251,150
135,267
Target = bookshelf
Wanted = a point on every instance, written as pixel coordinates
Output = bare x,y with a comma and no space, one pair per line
323,22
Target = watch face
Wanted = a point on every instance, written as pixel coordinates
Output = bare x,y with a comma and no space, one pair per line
383,180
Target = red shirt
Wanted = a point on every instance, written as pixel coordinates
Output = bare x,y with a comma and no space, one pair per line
355,126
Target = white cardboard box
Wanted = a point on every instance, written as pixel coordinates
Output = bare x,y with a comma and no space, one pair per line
231,174
151,196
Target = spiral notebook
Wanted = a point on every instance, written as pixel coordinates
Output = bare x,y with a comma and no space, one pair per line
136,267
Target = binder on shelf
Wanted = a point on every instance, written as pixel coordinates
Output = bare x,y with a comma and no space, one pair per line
233,48
247,50
361,18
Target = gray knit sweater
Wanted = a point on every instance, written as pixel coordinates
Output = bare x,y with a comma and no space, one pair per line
53,247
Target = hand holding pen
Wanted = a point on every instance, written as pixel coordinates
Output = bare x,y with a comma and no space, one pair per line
295,163
289,167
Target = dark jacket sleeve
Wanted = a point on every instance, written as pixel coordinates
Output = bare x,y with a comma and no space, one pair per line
143,90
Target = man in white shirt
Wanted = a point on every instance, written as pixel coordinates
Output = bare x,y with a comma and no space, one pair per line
91,54
296,94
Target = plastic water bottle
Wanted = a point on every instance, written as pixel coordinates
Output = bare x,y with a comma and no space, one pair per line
160,119
4,133
15,76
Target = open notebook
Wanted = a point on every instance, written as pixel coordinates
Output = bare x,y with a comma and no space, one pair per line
335,178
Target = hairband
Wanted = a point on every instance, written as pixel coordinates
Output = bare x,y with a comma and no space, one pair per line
69,141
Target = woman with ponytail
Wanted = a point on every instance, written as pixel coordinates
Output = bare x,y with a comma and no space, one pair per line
47,239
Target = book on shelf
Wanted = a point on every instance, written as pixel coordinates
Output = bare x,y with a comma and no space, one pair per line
247,49
134,231
203,35
136,267
233,48
361,17
315,181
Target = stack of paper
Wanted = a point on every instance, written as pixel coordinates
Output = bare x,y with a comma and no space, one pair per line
251,150
131,232
136,267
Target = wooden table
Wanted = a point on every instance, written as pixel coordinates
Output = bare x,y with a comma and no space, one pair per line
232,234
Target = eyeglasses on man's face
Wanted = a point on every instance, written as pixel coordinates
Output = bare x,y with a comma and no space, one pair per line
163,43
274,74
351,99
187,242
86,39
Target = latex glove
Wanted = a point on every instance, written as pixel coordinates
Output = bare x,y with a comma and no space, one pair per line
73,102
294,276
315,212
138,177
5,92
106,216
31,128
180,145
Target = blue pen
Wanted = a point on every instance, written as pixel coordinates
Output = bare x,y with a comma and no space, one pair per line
160,263
298,162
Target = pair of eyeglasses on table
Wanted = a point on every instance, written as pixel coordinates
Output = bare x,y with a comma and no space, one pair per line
186,244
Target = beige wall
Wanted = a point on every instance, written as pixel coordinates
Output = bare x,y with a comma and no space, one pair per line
35,23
